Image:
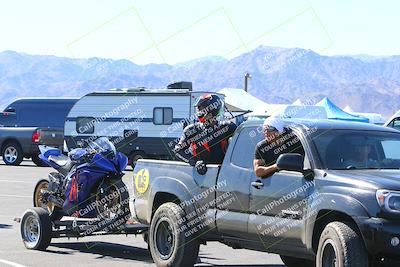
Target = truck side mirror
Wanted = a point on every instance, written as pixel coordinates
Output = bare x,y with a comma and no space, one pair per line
291,162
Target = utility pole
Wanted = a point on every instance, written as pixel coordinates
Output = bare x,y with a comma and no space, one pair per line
247,76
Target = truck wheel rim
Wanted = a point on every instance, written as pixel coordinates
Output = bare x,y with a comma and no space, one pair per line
11,154
329,254
164,238
31,231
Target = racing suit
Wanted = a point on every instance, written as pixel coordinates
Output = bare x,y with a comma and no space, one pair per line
204,142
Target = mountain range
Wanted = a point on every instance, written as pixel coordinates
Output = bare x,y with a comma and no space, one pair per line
279,75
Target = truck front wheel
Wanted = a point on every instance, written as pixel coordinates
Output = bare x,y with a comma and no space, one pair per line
340,245
168,241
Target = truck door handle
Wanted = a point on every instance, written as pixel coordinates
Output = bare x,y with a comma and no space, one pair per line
291,213
257,184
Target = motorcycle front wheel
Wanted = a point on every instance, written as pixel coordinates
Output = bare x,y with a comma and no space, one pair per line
112,204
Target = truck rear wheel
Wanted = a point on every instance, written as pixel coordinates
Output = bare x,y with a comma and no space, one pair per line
340,245
296,262
169,245
12,154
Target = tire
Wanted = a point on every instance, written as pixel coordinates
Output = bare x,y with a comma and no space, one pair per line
38,162
122,212
340,243
36,229
296,262
168,244
12,154
51,208
135,157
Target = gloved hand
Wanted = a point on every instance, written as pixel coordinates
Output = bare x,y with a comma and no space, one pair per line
201,167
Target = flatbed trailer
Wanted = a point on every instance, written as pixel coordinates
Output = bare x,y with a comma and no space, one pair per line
37,230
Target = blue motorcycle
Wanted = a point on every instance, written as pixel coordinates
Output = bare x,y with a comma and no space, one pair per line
88,184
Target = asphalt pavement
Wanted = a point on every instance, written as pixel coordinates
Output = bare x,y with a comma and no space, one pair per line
16,188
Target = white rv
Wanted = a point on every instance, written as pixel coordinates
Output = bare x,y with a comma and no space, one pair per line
141,122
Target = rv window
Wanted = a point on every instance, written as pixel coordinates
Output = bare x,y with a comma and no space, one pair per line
162,116
85,125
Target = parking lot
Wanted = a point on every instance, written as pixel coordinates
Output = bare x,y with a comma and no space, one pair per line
16,187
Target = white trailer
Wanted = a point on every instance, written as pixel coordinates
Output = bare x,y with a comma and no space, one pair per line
142,123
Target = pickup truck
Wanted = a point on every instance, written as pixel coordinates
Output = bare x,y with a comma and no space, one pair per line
17,143
329,206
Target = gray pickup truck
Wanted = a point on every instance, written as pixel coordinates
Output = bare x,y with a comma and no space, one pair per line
325,207
17,143
29,122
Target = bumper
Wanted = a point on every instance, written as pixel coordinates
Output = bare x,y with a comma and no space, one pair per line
377,234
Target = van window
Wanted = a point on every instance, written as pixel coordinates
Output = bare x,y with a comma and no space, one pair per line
85,125
243,152
162,116
9,109
42,114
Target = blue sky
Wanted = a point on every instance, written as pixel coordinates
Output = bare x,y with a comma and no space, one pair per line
173,31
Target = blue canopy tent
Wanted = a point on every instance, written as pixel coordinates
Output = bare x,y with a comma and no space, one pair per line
336,113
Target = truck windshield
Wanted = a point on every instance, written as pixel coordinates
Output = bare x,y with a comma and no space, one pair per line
351,149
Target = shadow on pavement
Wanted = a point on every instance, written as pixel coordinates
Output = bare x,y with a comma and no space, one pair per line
104,250
118,251
5,226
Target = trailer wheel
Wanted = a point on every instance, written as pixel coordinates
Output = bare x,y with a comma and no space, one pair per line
169,245
36,229
12,154
340,245
38,162
296,262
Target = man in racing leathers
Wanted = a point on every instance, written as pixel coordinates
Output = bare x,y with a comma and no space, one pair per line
205,141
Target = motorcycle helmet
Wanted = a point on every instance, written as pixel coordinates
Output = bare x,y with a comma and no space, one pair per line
208,107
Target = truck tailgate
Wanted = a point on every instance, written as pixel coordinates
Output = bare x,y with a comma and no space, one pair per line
51,136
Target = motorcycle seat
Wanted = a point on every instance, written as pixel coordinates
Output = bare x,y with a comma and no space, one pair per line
65,163
60,160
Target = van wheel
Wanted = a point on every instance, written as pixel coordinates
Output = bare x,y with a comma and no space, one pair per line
296,262
36,229
169,245
38,162
12,154
340,245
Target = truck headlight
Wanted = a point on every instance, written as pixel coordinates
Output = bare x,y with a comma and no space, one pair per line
388,200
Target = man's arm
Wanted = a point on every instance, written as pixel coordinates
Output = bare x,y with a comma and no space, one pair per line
182,148
264,171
